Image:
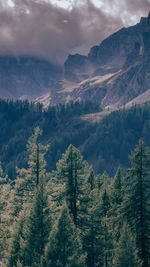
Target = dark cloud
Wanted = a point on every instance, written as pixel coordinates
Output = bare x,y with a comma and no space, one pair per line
39,28
138,6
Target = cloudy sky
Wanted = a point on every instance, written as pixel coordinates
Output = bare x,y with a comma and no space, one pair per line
52,29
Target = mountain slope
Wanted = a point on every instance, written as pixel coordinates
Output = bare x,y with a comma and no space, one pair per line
114,73
105,144
109,56
113,89
26,77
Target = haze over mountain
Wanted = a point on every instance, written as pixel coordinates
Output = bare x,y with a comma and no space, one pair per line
113,73
26,77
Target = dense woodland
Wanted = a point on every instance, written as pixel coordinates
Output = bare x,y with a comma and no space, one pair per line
71,217
105,145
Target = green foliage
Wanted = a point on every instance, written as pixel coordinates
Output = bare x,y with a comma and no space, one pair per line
64,247
115,137
6,196
116,196
94,238
61,126
125,252
36,229
14,251
105,145
72,218
137,202
29,178
71,171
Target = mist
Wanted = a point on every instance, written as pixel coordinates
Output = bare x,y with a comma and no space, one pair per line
40,28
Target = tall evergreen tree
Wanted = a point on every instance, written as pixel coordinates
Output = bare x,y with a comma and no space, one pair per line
28,179
105,211
36,228
116,199
125,251
30,198
64,248
91,179
137,202
94,239
13,254
71,171
6,196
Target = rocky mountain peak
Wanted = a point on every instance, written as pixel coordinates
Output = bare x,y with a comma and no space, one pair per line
112,53
148,19
145,38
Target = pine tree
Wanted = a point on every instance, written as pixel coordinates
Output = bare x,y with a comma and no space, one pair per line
30,198
116,199
64,247
13,254
137,202
91,179
6,195
71,171
28,179
94,240
125,252
105,211
36,228
103,181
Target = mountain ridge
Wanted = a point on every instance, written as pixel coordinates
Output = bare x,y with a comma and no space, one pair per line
111,52
112,74
26,76
124,56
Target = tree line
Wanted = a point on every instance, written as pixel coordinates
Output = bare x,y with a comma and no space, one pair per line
71,217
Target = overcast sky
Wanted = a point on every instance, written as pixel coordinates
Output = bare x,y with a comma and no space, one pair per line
54,28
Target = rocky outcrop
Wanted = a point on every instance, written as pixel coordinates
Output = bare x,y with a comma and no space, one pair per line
110,90
77,68
110,55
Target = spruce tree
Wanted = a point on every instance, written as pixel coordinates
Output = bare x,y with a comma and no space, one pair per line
125,253
105,214
116,199
91,179
137,202
6,195
28,179
30,198
71,171
94,240
36,228
13,254
64,247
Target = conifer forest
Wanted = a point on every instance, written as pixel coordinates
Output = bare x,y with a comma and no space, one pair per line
72,217
74,133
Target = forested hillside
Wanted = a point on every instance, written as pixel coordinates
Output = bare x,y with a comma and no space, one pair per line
105,145
72,217
61,126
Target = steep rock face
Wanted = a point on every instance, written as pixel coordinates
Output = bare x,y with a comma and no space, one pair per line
117,71
77,68
130,83
109,90
26,77
109,56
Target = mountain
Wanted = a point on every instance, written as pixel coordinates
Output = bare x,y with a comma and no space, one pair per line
113,73
108,57
26,76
